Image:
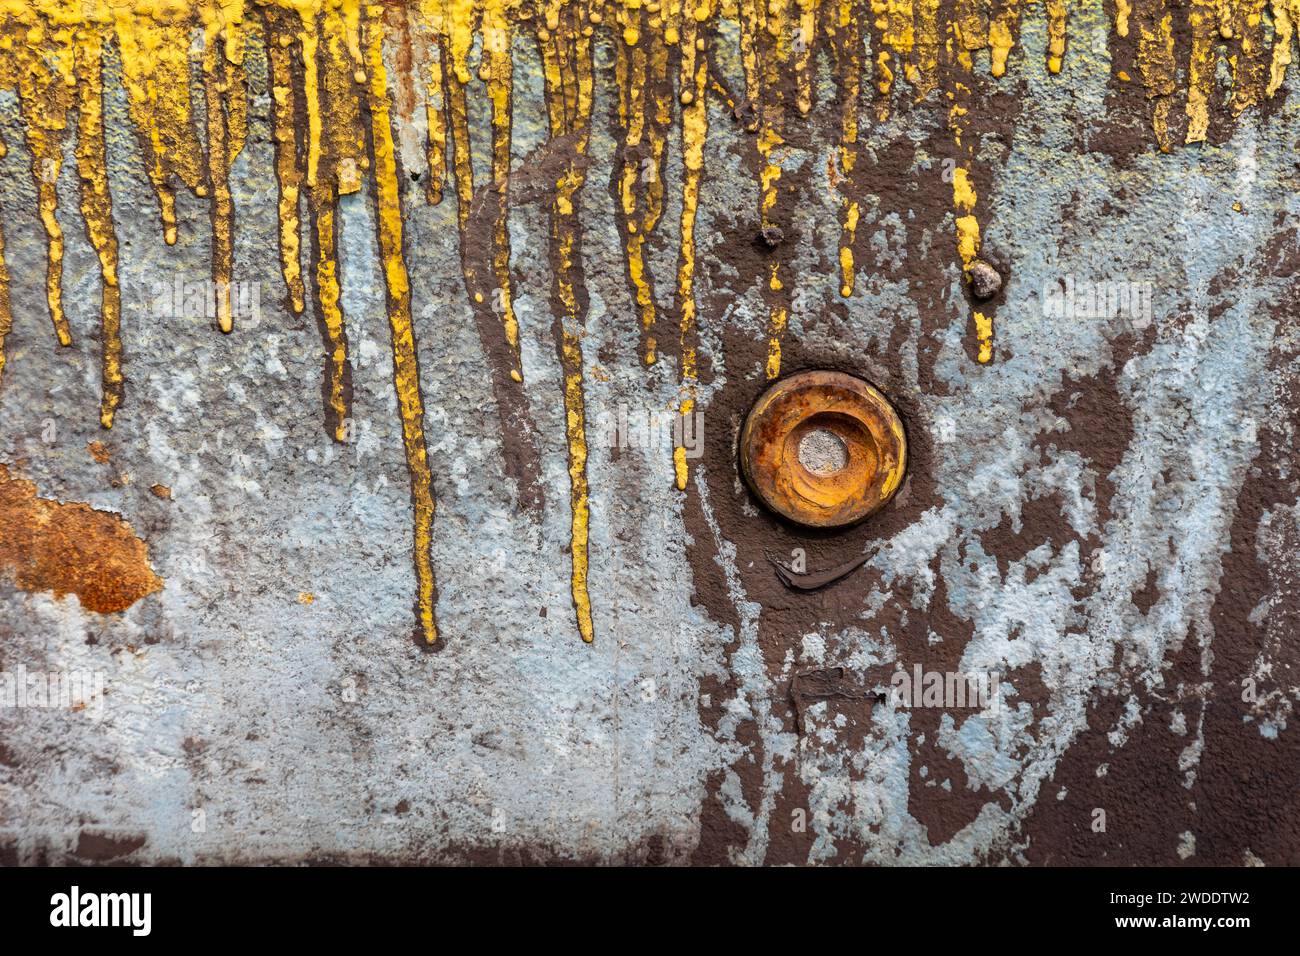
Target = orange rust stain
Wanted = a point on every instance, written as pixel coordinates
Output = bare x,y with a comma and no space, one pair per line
98,452
71,548
835,405
162,491
306,597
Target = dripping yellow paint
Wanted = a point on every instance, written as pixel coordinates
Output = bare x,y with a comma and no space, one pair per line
331,136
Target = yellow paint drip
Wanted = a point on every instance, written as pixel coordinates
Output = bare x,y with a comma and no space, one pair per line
1057,14
1250,65
324,207
497,64
567,71
641,73
695,128
307,37
894,19
968,238
846,249
97,211
963,193
6,312
44,88
406,369
332,133
984,334
216,82
437,135
1200,79
926,50
805,37
155,52
1002,36
287,169
964,197
1157,66
850,52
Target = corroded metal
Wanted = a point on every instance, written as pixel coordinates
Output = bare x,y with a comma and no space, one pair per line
843,414
481,227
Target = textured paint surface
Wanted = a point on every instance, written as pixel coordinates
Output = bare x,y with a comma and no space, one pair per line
654,207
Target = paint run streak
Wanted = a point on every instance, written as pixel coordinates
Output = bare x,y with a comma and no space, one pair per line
497,74
406,369
774,50
226,111
288,162
695,129
644,116
564,41
97,212
332,130
6,312
848,51
44,80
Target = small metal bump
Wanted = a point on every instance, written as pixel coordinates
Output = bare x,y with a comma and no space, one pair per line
823,452
773,235
823,449
985,281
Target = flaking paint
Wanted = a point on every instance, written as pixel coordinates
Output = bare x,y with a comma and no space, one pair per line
52,51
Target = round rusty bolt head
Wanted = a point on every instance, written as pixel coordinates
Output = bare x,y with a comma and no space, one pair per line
823,449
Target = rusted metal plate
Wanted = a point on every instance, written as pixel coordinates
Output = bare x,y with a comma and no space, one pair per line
370,425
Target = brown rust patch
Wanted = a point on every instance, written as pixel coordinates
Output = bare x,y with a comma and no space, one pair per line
98,452
71,548
100,846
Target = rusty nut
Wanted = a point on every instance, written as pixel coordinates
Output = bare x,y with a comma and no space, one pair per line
823,449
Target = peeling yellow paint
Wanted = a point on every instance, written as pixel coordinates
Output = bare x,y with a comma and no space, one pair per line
45,81
6,312
695,128
850,53
97,211
406,369
1057,14
279,43
332,132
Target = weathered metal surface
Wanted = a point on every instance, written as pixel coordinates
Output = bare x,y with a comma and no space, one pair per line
522,265
823,449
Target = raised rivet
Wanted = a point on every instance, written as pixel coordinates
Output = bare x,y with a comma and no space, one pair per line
823,449
985,281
